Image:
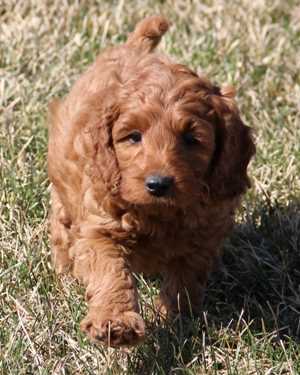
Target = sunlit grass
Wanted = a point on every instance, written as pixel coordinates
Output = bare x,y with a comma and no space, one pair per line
250,323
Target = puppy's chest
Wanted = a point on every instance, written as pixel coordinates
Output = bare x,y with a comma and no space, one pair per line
166,245
166,240
159,241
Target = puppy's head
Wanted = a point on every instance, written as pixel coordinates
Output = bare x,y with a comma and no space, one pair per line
179,140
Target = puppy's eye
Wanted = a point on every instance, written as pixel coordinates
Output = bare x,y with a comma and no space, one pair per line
189,139
134,137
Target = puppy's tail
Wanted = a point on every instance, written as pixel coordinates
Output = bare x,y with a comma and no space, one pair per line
147,33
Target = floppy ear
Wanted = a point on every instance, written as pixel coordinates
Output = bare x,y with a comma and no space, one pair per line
105,165
234,147
80,143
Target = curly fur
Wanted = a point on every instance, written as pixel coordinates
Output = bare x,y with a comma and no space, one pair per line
104,224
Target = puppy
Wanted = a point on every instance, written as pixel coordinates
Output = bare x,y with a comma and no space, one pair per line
148,162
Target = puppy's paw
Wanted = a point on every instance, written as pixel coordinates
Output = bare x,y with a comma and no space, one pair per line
126,329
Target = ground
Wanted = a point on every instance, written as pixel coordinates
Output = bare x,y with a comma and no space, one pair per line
250,323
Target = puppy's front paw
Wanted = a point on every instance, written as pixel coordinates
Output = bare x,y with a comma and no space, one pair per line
126,329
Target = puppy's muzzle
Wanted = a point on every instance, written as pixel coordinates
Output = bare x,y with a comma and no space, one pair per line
158,185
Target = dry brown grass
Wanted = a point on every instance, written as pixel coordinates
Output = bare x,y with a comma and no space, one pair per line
251,322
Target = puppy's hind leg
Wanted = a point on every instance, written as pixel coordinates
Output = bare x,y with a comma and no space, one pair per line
60,234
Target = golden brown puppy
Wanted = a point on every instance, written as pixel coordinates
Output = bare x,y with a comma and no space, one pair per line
148,162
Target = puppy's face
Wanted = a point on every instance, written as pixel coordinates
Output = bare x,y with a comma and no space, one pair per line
164,151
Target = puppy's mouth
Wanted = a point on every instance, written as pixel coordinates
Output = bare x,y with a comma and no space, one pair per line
159,204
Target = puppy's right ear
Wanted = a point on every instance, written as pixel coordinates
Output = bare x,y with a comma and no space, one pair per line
106,166
148,33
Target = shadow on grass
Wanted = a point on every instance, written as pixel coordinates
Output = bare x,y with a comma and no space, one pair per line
258,284
261,272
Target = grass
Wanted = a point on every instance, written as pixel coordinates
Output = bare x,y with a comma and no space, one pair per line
251,318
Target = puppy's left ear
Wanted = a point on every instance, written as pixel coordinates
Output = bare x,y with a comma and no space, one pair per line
234,147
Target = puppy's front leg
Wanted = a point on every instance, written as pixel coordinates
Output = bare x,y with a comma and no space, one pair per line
184,282
113,316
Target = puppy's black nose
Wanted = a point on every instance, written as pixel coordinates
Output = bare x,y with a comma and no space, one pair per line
158,185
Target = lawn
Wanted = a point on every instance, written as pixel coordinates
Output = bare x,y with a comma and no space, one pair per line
251,316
